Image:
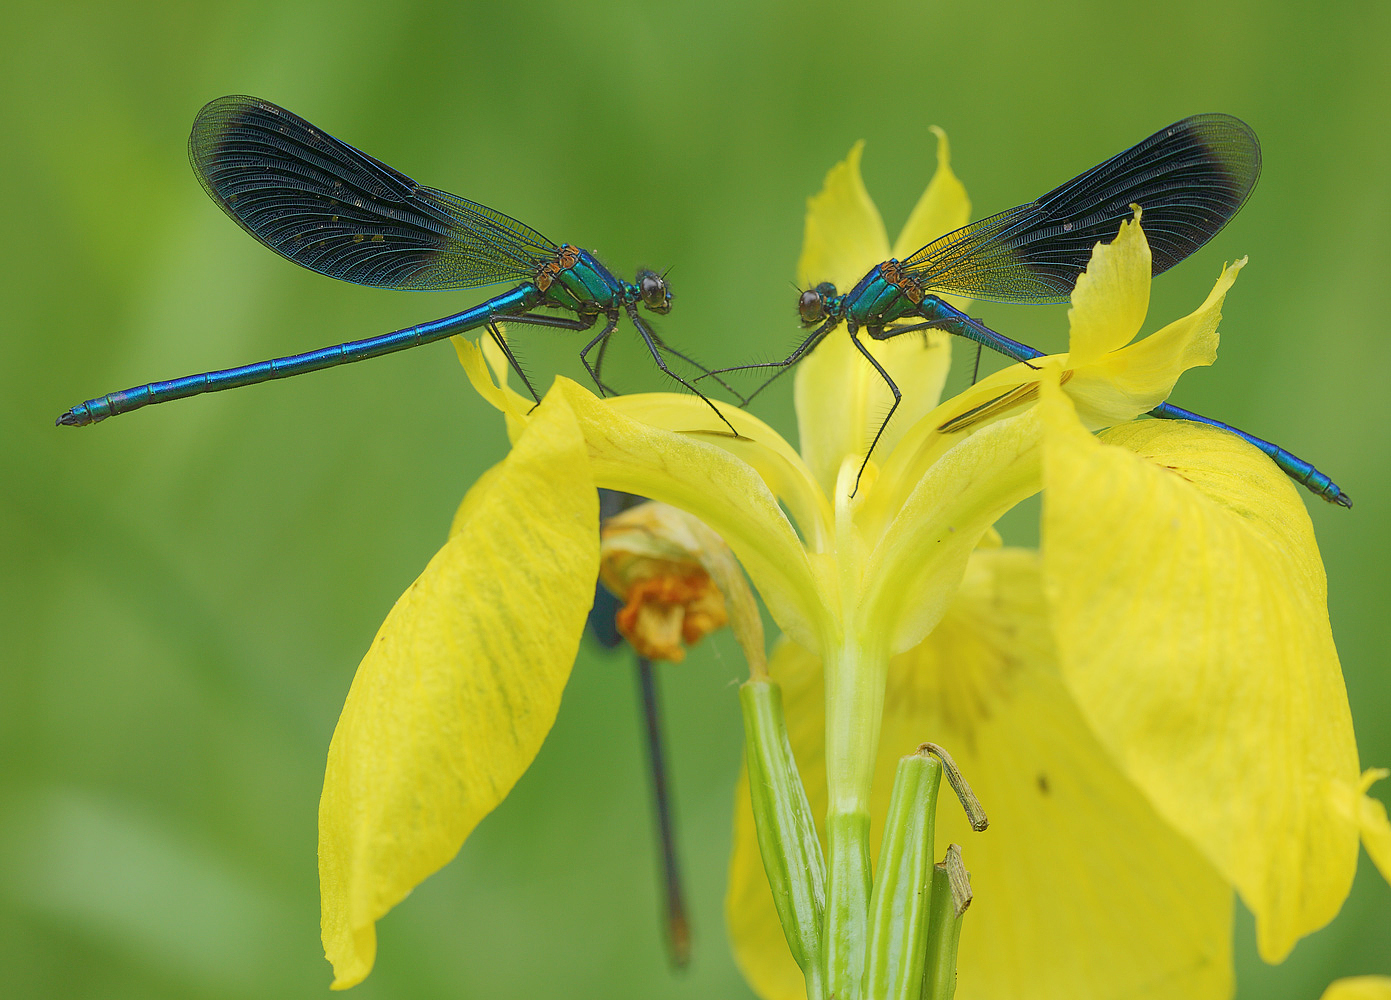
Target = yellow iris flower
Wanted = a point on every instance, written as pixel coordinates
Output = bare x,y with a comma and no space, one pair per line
1151,707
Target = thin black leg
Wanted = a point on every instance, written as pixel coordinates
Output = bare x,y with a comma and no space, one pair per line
501,342
677,926
599,358
647,336
785,365
541,319
696,364
584,353
898,398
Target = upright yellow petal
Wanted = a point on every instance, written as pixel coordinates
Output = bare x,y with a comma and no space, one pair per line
836,389
943,207
1111,297
916,567
460,686
844,235
1081,890
1189,604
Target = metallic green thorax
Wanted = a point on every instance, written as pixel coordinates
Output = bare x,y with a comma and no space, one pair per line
580,283
877,300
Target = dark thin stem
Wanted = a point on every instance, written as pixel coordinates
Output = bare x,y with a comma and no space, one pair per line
678,930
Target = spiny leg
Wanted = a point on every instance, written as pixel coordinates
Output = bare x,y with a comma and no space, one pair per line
541,319
584,353
898,398
958,323
603,349
647,336
534,319
502,344
785,365
696,364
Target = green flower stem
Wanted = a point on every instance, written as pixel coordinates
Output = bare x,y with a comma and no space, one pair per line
847,903
951,894
855,676
786,830
903,884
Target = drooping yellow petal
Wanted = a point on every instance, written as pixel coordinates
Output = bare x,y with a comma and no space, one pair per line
1111,297
841,399
1189,604
1360,988
460,686
1137,378
943,207
1080,889
690,472
1371,818
776,461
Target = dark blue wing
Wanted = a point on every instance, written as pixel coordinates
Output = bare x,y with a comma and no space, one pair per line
1189,178
333,209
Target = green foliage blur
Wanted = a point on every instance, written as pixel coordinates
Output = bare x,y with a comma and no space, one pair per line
186,591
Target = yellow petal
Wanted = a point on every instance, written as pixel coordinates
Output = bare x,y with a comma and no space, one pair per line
1080,889
1111,297
943,428
1376,829
460,686
943,207
510,403
844,235
1190,610
914,571
1137,378
1360,988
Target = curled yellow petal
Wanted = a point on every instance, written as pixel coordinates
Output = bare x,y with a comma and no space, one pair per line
1371,818
1190,609
1360,988
1137,378
1111,297
460,686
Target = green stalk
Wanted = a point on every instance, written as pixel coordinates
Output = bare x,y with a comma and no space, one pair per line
855,676
951,894
787,839
903,887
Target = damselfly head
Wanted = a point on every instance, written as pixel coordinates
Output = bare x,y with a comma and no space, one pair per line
652,287
814,302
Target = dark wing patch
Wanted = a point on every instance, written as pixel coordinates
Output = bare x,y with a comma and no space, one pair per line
1189,178
338,211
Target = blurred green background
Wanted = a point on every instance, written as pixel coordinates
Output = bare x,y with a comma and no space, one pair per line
187,590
